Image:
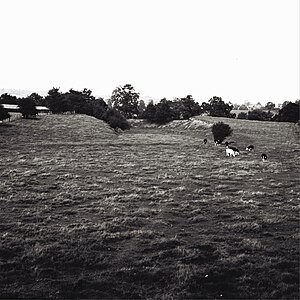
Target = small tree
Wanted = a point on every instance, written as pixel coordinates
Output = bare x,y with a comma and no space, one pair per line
57,102
4,114
141,108
27,107
221,131
149,113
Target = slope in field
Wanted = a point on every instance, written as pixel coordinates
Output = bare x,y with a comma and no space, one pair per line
191,123
57,129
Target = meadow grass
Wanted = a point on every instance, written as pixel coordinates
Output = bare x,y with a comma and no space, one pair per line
149,213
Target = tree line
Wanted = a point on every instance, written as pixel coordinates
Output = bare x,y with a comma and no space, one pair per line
125,103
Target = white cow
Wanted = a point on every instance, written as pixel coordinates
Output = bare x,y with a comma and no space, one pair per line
235,150
230,152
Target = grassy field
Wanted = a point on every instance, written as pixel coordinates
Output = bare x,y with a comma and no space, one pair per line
149,213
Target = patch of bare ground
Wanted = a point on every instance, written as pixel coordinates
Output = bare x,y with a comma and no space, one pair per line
151,213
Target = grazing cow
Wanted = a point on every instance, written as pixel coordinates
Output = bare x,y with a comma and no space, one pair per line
264,157
205,141
236,150
250,148
217,142
230,152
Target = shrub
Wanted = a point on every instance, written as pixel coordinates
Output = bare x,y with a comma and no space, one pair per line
115,119
27,107
221,131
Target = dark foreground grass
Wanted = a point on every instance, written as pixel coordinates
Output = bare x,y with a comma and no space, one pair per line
151,213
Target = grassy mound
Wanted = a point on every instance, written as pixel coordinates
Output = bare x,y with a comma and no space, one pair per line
57,129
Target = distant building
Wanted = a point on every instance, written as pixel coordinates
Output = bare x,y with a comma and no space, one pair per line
42,109
16,108
11,107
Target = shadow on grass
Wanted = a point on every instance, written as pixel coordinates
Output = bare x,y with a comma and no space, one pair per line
6,125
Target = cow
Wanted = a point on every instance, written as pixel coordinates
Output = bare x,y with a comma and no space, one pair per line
250,148
205,141
230,152
236,150
264,157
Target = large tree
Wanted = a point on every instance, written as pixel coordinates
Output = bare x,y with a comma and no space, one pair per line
187,107
79,100
125,100
57,102
289,113
216,107
163,112
38,99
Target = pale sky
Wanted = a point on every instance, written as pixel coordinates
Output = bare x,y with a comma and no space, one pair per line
235,49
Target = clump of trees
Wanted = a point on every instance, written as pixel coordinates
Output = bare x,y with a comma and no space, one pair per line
72,101
288,113
220,131
166,110
185,108
260,115
216,107
85,103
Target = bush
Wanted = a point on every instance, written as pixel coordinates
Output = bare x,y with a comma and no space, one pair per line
221,131
27,108
115,119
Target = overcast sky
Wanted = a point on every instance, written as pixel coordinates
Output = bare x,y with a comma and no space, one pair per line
235,49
